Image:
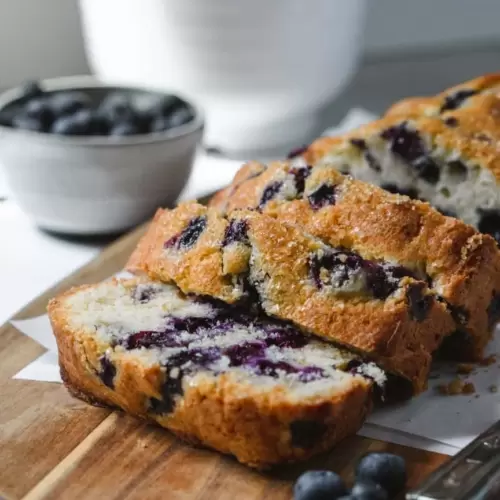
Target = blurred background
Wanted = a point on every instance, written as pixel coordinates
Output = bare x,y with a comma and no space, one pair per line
46,38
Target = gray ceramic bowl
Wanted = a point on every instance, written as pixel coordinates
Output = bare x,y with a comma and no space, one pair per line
95,185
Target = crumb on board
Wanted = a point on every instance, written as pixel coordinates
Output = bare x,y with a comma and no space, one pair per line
489,360
465,368
468,388
493,388
456,386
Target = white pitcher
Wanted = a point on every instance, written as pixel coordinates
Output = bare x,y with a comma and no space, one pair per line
261,69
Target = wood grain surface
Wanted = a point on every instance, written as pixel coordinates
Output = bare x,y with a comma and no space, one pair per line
55,447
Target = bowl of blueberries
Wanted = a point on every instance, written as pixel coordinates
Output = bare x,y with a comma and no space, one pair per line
82,157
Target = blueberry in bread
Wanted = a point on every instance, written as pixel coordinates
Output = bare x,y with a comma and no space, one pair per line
381,310
442,150
459,264
242,384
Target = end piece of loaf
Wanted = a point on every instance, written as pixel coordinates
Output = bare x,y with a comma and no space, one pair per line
244,385
441,149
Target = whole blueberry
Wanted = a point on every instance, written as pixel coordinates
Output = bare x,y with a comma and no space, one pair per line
386,469
180,117
25,122
367,490
117,108
160,124
78,124
30,90
69,102
99,124
168,104
143,121
123,129
7,116
319,485
41,110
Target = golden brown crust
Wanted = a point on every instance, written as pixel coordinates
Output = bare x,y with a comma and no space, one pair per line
430,106
218,200
463,264
279,268
248,171
217,412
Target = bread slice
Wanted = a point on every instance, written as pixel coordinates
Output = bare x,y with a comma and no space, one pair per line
382,311
461,265
244,385
448,156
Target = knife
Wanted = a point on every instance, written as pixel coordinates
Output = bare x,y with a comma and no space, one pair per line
472,474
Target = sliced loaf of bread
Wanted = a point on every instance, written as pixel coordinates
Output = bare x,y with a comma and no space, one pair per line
380,310
461,265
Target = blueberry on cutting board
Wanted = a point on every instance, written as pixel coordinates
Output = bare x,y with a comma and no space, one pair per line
319,485
386,469
367,490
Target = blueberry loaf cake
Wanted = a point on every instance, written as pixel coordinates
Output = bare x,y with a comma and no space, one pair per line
444,151
459,264
380,310
242,384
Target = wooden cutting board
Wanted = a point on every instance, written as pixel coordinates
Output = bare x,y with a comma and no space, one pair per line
56,447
